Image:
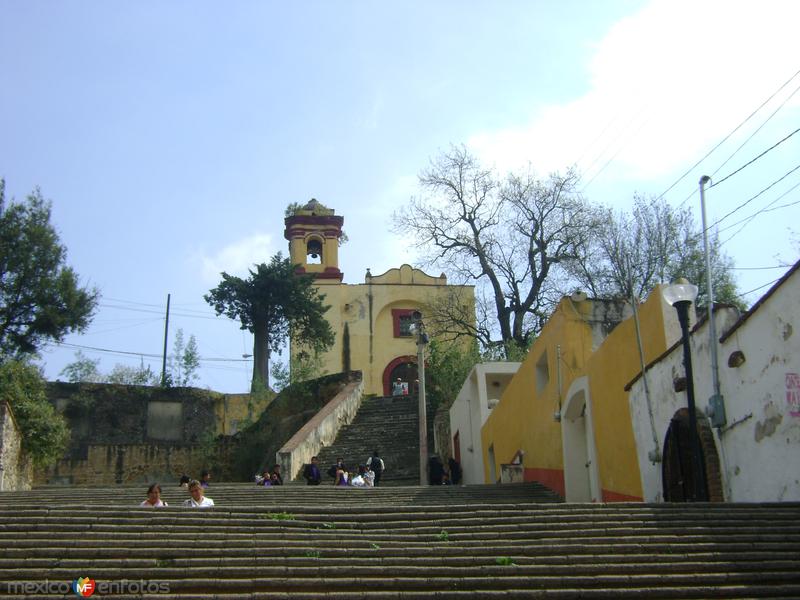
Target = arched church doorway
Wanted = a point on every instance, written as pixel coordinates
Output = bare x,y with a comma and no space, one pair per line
403,371
677,469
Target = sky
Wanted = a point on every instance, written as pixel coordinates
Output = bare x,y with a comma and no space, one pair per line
170,136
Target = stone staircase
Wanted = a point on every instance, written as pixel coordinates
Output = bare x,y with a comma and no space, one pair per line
389,425
488,541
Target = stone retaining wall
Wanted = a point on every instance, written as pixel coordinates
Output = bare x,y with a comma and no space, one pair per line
16,472
321,430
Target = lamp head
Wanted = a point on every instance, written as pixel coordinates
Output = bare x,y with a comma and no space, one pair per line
416,315
680,291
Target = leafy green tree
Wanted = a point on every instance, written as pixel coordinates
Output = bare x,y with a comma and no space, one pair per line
45,433
82,369
127,375
40,296
630,253
86,370
302,367
447,366
272,303
184,361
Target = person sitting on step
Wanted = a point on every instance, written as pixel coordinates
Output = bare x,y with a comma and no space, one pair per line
153,497
359,480
311,472
275,475
337,467
369,476
205,478
198,499
342,477
263,479
184,482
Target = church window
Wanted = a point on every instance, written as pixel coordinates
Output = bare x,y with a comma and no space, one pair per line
402,321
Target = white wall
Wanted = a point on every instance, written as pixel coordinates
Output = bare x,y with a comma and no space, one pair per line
486,381
759,449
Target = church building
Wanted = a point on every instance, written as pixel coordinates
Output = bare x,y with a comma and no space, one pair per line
371,320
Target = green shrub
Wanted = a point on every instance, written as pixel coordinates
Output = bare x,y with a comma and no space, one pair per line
45,433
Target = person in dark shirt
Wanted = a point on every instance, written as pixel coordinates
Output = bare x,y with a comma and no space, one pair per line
311,473
339,466
435,470
455,471
275,476
377,466
205,479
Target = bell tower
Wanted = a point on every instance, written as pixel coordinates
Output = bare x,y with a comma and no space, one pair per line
313,232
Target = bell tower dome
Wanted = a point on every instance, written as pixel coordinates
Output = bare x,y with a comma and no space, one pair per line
313,232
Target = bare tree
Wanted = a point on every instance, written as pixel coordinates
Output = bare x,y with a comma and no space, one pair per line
630,253
510,237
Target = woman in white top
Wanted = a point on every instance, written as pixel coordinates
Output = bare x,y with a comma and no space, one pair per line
153,497
198,499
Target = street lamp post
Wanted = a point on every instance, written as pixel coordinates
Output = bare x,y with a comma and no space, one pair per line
422,339
681,294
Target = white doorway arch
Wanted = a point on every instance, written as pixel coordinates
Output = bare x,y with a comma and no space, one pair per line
581,481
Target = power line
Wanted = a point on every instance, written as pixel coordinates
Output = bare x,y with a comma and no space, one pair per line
750,162
757,268
761,287
725,139
206,316
750,137
764,209
142,354
749,200
613,156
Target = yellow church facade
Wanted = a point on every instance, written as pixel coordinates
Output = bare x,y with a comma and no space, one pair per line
371,320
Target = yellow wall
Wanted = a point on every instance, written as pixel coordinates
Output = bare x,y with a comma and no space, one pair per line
234,411
523,420
609,369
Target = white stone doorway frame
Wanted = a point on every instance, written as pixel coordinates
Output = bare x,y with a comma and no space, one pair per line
581,479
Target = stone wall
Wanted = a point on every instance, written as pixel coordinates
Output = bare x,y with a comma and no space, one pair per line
321,430
16,472
108,464
130,434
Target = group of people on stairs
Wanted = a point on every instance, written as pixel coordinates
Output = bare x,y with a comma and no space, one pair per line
368,475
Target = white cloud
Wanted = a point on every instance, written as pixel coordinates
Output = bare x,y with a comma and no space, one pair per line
237,258
666,84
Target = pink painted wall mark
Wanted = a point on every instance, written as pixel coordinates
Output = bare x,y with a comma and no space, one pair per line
793,393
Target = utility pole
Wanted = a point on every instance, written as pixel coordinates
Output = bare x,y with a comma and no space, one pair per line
422,339
716,404
166,337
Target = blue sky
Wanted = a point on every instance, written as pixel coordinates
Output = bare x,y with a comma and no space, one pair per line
170,136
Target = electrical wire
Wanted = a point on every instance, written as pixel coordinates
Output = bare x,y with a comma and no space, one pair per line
750,137
761,287
764,209
725,139
142,354
757,268
749,200
751,161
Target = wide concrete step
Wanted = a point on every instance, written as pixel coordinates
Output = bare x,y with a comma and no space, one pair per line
250,494
443,542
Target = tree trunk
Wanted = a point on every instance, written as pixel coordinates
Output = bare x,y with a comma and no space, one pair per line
260,359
